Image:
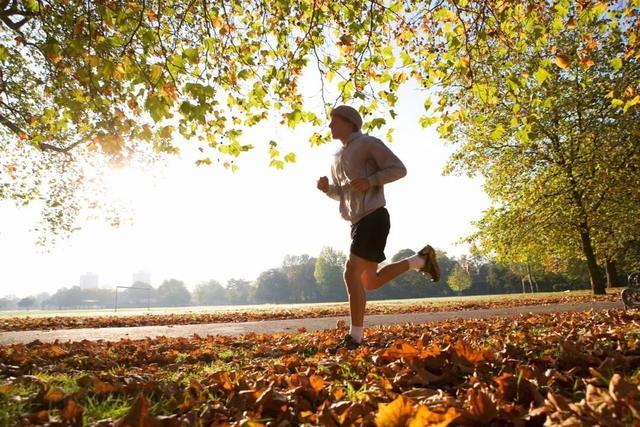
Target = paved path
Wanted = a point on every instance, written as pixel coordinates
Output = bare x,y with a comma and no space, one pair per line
290,325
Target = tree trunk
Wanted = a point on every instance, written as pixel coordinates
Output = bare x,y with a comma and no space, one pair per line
597,284
532,279
524,288
612,274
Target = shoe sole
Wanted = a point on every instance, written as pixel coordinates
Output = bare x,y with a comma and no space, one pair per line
430,261
434,264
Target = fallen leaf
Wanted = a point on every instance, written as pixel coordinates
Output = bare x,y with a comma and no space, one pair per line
394,414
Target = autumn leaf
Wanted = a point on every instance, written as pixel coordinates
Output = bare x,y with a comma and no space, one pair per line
400,349
138,414
562,61
586,63
481,406
53,395
394,414
469,354
72,414
425,417
317,383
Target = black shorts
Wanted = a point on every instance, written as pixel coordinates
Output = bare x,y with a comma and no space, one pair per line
369,235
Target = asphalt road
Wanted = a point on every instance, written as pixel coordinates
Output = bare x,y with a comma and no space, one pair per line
289,325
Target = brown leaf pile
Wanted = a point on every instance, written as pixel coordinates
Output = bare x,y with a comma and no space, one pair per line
257,314
560,369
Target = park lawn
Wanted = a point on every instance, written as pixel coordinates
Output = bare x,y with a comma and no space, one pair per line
581,368
70,319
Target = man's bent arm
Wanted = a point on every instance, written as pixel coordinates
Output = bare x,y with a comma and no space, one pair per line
391,167
334,191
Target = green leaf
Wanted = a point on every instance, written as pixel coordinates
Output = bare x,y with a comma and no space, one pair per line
156,72
497,132
426,121
631,103
427,104
317,139
278,164
406,58
616,63
541,75
445,130
377,123
156,107
191,54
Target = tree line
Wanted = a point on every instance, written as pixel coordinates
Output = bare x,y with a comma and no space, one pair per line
307,279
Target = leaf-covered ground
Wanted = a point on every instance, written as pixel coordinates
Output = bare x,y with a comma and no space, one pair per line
24,323
574,368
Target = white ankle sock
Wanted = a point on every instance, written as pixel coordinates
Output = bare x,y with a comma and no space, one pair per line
356,333
416,262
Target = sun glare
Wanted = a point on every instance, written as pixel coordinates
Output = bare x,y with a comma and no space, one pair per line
126,184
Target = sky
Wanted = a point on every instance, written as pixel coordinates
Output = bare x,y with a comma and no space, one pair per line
200,223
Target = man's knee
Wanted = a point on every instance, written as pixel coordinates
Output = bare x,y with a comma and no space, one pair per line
351,275
369,280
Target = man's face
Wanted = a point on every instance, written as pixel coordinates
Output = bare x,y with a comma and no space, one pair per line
340,128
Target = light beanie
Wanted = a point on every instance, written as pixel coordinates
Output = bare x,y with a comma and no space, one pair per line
350,114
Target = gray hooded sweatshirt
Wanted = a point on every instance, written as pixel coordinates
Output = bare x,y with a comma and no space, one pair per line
363,157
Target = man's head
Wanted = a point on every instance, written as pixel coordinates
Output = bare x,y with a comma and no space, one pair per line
344,121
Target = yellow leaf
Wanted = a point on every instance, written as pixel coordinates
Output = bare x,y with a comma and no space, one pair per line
54,58
562,61
317,383
118,73
425,417
134,5
216,21
6,388
156,71
586,63
56,351
169,90
395,414
93,60
54,395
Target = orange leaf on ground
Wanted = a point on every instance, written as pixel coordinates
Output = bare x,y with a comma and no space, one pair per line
471,355
53,395
72,414
137,415
394,414
317,383
426,417
481,406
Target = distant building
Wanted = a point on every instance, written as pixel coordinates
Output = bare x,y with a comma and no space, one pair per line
89,281
142,276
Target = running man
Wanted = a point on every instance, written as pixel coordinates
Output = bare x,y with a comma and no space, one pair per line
361,168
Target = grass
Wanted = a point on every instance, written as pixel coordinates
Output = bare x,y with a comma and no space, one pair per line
113,407
14,402
64,381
